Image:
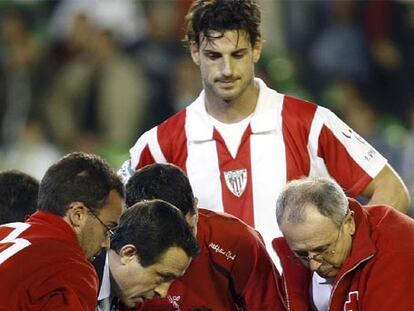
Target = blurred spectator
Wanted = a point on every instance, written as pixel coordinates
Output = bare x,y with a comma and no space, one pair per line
31,152
124,18
18,196
158,53
99,92
356,102
186,84
340,51
19,65
390,30
407,169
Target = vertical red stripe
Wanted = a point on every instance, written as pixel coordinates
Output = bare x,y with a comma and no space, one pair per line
354,179
241,207
297,117
173,140
145,158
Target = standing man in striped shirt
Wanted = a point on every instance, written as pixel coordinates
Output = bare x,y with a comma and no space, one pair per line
240,141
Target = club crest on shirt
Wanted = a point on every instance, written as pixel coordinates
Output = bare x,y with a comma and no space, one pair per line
236,181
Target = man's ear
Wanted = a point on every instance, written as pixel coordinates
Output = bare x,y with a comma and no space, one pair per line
350,223
76,214
127,253
195,53
195,202
257,50
192,219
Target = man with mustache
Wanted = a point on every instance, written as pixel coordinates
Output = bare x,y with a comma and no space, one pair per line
240,141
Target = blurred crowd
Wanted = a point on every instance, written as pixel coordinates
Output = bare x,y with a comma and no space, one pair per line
93,75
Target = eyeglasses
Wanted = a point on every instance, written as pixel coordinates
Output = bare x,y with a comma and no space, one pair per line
322,255
109,231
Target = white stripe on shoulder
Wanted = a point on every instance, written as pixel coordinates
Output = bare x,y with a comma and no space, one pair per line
148,138
317,164
369,159
154,146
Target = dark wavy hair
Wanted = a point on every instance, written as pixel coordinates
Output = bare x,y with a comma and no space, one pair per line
18,196
81,177
222,15
161,181
153,227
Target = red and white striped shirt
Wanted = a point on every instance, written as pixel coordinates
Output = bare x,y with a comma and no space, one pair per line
287,138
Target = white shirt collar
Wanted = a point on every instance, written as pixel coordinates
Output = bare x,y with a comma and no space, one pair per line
265,118
105,290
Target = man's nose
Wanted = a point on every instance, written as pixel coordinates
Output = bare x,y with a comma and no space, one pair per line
227,69
106,243
162,289
314,264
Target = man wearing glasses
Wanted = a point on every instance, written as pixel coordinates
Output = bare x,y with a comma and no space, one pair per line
44,261
339,255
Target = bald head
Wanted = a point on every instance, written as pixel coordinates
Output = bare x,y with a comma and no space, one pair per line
323,193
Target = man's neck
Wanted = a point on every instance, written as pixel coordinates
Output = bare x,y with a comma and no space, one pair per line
235,110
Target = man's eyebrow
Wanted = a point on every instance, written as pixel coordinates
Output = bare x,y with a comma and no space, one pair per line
167,275
240,50
207,50
313,249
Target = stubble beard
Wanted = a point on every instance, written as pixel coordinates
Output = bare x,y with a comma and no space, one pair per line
219,97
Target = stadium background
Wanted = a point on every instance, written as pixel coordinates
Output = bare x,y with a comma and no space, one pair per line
93,75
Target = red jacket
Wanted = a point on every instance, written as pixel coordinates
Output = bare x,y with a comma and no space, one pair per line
377,276
232,272
43,268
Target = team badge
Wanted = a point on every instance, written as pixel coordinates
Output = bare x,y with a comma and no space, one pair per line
236,181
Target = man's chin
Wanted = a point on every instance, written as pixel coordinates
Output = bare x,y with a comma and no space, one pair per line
328,274
132,303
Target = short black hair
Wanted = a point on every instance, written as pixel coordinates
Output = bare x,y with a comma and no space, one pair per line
222,15
18,196
153,227
78,176
161,181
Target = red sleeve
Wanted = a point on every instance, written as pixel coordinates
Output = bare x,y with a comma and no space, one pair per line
165,143
390,284
255,275
342,167
173,140
73,288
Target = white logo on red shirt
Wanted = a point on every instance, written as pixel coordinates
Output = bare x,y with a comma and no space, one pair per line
352,303
236,181
174,301
218,249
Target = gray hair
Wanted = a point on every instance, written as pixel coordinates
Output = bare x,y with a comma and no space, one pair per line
322,192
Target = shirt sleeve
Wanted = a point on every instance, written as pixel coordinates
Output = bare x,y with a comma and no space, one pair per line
255,276
340,152
72,288
389,285
145,151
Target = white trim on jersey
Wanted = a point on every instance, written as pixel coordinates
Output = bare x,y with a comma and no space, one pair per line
149,139
202,159
267,152
317,164
358,148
